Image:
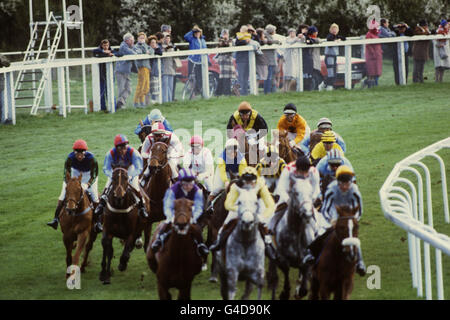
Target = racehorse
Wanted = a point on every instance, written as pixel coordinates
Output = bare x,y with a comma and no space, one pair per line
214,222
177,262
156,186
336,266
293,234
121,220
76,223
243,256
315,138
284,149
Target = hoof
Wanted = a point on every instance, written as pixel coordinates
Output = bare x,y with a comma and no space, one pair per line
301,293
138,244
107,281
122,267
213,279
284,296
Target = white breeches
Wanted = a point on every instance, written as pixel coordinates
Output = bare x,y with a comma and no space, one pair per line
292,135
207,182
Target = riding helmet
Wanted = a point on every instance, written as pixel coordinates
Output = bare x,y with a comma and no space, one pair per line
120,139
80,145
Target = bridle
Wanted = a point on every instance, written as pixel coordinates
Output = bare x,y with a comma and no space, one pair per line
77,203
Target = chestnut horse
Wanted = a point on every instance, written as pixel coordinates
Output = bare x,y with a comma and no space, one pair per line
333,274
284,149
76,223
156,187
121,220
177,262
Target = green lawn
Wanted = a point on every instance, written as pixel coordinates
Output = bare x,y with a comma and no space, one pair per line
380,126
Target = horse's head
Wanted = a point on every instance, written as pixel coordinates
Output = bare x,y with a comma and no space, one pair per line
145,131
346,229
248,207
315,138
74,193
119,182
158,158
183,215
302,198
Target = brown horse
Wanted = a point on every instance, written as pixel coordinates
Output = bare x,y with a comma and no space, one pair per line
156,186
315,138
121,220
177,262
76,223
284,149
333,274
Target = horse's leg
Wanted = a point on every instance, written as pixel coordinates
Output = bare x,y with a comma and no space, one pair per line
248,290
272,278
163,292
347,287
304,275
87,250
68,243
232,278
81,241
108,252
214,267
324,290
147,234
185,292
314,289
129,246
284,295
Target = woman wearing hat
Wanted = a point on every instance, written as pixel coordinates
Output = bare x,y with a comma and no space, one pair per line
294,124
290,57
374,56
441,52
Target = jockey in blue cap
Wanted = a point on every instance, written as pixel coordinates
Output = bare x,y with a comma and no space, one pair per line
154,116
124,156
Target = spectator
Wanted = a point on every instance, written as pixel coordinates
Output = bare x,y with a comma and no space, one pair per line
262,64
290,66
331,54
391,48
165,28
103,51
441,51
302,30
196,41
168,70
401,30
154,73
143,84
311,38
374,56
420,51
225,61
243,38
123,70
270,83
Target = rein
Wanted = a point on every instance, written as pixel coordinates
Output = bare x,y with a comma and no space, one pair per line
77,205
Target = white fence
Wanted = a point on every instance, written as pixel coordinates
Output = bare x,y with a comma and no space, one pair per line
64,103
405,208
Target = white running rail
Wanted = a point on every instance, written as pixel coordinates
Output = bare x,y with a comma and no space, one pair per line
405,208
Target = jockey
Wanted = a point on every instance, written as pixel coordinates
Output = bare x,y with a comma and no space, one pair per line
340,192
270,167
327,167
294,124
323,125
247,118
327,143
122,156
185,187
175,151
83,162
230,163
200,160
300,169
249,180
154,116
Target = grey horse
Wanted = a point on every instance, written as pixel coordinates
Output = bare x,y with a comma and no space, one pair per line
293,234
243,258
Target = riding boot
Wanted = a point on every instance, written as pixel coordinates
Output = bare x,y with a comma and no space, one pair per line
98,214
54,222
142,212
223,235
163,234
315,248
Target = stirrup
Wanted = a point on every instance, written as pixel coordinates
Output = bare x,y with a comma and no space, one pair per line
98,228
156,245
53,223
361,268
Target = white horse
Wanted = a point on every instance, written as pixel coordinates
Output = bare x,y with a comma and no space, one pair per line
243,258
293,234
